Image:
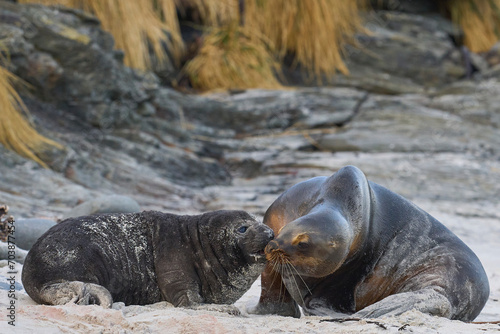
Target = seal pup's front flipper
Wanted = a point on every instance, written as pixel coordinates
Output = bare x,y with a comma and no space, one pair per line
75,292
229,309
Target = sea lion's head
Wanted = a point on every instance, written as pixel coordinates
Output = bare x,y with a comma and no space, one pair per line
314,245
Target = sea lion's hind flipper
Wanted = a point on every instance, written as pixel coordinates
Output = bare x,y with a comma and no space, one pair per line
426,301
75,292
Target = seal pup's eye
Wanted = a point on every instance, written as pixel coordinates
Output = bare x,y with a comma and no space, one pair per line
243,229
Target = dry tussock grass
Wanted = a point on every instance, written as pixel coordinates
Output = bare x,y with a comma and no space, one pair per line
16,133
213,13
314,31
136,26
480,21
232,57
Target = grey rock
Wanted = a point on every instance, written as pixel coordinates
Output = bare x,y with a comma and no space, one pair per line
79,84
105,204
19,256
70,60
414,47
387,124
5,284
492,56
29,230
493,72
261,111
475,102
410,6
402,53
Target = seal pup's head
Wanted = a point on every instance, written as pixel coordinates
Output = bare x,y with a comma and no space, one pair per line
233,244
238,234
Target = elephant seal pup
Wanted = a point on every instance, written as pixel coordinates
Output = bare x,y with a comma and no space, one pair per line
143,258
350,246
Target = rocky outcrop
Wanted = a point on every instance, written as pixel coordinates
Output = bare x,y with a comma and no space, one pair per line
85,97
406,115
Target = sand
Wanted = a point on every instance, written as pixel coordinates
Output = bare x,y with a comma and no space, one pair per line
480,233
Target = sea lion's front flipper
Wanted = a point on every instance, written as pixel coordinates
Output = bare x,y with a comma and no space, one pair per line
426,301
275,298
76,292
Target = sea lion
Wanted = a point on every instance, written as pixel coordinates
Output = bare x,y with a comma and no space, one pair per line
348,246
143,258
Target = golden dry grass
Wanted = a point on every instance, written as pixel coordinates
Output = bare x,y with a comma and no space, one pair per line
232,57
480,21
213,13
16,133
314,31
135,25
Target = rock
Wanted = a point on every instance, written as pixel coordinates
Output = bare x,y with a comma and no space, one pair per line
418,48
409,6
260,111
387,124
70,61
402,53
19,256
6,286
29,230
79,84
493,55
105,204
475,102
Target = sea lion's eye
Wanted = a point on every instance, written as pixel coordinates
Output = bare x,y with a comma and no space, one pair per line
303,245
243,229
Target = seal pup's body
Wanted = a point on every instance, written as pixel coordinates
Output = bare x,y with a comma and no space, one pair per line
147,257
350,246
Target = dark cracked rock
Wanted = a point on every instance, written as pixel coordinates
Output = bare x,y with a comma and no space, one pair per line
126,134
104,113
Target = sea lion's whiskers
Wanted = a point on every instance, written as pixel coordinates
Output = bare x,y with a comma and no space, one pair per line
282,286
277,261
305,284
289,266
276,268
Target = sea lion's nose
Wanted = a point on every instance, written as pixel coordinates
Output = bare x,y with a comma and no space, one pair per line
272,246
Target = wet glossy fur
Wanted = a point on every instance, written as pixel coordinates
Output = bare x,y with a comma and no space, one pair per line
368,252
